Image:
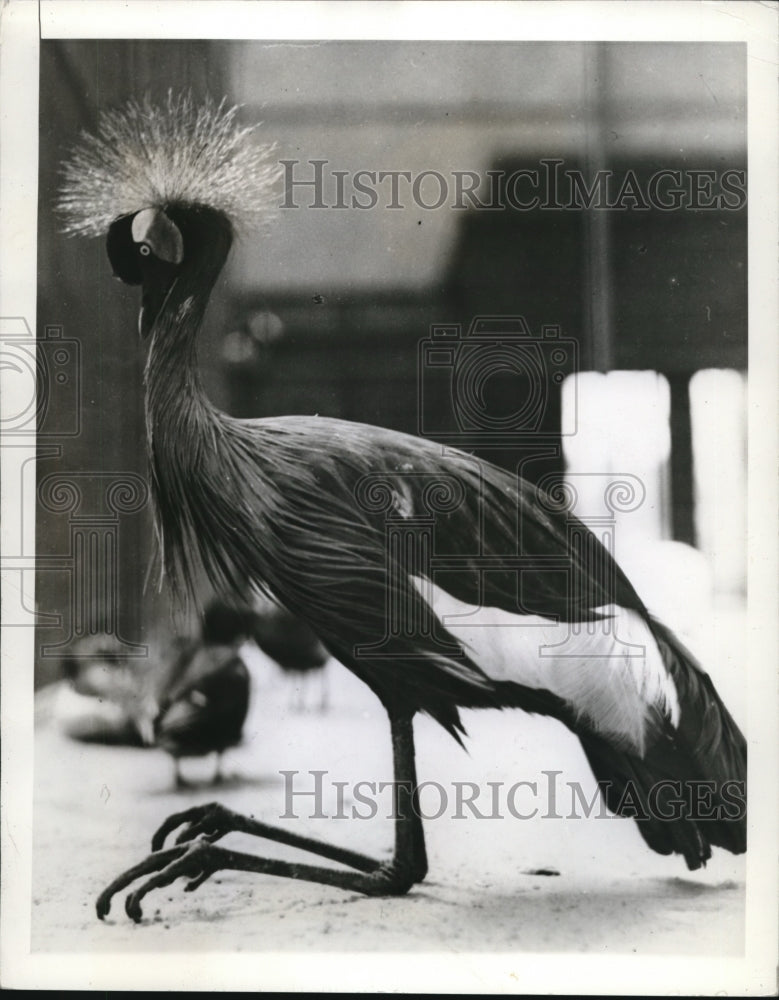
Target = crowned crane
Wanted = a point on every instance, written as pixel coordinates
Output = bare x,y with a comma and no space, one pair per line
299,507
292,645
203,695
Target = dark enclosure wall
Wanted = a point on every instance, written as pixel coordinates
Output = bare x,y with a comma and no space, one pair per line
94,530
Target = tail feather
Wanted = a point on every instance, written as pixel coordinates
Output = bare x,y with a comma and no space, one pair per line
688,790
705,725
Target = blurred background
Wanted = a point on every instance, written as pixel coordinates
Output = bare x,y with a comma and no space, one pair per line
324,311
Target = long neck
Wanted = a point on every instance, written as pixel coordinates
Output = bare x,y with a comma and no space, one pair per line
174,391
182,426
177,408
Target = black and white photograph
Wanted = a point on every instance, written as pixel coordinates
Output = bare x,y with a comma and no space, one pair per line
389,505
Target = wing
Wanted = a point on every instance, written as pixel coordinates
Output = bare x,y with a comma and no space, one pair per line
340,521
497,540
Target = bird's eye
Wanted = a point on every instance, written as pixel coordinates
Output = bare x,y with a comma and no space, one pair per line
145,249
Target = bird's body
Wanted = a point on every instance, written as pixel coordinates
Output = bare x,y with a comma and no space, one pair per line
328,561
203,690
205,711
391,547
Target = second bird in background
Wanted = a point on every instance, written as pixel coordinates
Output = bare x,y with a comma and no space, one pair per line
291,644
204,689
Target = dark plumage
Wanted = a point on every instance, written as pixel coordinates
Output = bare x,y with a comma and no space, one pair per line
304,508
204,691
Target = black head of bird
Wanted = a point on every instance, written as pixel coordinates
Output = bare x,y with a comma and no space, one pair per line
227,623
147,249
339,522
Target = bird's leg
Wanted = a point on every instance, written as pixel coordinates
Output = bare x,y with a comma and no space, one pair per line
218,777
199,859
404,759
178,777
215,821
323,690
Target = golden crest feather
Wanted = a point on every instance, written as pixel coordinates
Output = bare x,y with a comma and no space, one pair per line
148,155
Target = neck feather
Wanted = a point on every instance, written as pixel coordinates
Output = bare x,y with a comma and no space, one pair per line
171,377
175,400
182,426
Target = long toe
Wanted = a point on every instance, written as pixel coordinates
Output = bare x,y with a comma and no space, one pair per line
103,904
210,824
189,816
153,863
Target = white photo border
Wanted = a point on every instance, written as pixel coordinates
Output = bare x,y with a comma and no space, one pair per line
23,23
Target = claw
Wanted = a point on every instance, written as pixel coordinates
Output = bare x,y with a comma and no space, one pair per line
190,860
132,907
103,904
154,863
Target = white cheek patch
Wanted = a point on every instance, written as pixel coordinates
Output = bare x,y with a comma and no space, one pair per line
153,227
609,671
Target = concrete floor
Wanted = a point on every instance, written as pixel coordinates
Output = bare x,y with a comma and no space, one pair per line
96,808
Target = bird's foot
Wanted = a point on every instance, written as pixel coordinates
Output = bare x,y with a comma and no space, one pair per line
196,861
211,821
390,879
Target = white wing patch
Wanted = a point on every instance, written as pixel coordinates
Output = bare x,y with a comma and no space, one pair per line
610,671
